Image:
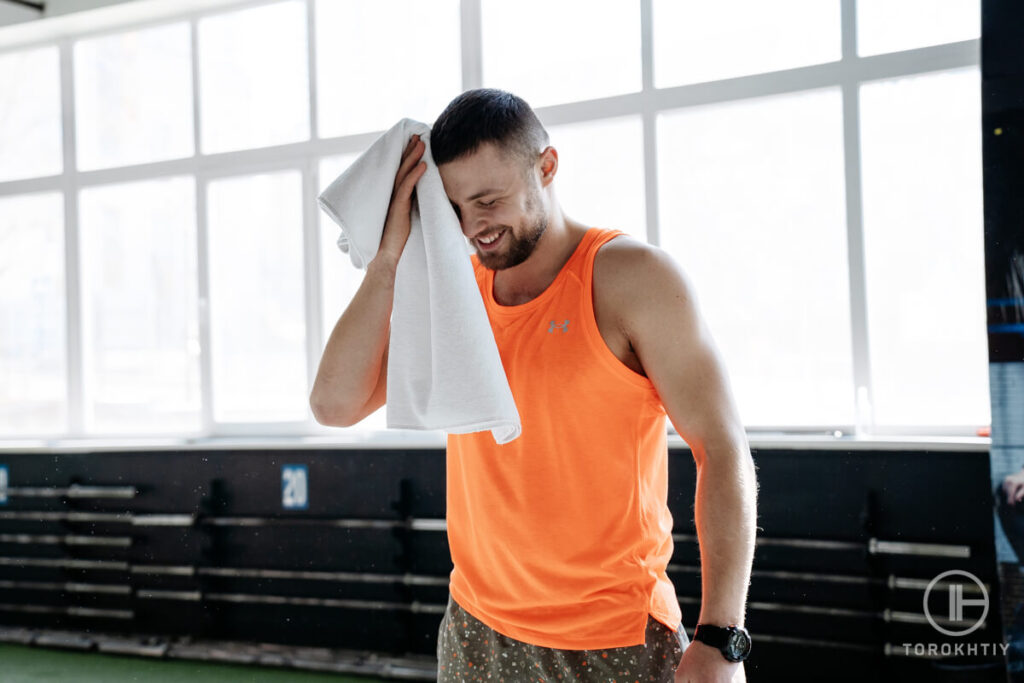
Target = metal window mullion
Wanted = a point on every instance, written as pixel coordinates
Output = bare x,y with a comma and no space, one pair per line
860,338
731,90
72,247
207,426
51,183
205,333
471,35
311,70
310,233
649,121
848,29
312,278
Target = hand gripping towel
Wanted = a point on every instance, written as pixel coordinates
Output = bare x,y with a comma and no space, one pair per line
444,370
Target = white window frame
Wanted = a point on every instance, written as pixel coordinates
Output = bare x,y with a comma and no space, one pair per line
848,73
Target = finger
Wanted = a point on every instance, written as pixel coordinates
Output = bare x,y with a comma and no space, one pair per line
410,180
414,157
408,163
410,147
400,200
410,144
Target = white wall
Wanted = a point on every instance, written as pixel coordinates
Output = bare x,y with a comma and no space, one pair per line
57,7
10,13
13,13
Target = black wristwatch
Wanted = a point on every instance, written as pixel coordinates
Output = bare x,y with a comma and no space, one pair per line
732,640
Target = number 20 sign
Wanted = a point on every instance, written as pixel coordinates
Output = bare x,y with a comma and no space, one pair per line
294,487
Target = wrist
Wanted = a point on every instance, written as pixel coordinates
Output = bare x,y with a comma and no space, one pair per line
732,641
382,269
721,618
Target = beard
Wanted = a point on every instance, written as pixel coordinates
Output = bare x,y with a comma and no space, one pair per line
518,245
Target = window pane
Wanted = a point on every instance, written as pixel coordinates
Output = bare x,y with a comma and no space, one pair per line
257,298
139,307
591,49
921,157
891,25
704,41
33,368
749,190
602,184
133,97
30,116
339,278
361,45
253,77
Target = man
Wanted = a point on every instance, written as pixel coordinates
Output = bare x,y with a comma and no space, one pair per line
1008,493
560,538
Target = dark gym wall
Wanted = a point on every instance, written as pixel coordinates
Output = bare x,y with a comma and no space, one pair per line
827,567
1002,102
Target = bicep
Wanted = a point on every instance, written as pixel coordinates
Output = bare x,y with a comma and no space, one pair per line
679,355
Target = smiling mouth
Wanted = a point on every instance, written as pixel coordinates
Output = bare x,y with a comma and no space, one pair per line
493,238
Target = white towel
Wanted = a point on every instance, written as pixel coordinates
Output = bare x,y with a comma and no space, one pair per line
444,370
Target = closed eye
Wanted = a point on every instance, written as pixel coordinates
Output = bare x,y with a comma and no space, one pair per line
488,203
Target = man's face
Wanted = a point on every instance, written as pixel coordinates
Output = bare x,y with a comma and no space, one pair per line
492,197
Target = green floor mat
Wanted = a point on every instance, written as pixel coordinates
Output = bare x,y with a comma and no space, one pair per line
25,664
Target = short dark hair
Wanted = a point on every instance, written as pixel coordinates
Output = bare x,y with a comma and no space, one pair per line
488,115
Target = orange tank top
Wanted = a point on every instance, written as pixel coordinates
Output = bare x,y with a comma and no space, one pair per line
561,537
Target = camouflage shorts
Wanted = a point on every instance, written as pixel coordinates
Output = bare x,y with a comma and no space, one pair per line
469,650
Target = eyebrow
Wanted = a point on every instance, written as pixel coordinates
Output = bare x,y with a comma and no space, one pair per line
483,193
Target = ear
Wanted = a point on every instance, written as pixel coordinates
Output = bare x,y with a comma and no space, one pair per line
548,165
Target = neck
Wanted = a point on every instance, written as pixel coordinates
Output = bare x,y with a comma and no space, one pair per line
554,248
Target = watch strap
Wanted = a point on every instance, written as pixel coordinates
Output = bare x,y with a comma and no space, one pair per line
715,636
724,639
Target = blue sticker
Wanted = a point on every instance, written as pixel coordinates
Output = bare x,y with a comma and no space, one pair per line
3,484
294,487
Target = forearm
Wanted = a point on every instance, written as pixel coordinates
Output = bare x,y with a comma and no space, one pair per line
725,513
352,358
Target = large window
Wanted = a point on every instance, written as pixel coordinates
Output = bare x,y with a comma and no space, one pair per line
923,248
696,42
257,320
253,77
139,306
30,133
814,166
133,97
378,62
752,207
33,336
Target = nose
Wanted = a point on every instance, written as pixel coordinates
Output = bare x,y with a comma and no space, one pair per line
473,226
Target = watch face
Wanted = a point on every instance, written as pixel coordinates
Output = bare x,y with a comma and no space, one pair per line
739,645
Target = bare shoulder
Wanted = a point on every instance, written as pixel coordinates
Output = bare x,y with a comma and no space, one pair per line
648,297
636,280
630,259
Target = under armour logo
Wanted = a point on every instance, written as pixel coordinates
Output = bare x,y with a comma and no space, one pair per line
564,326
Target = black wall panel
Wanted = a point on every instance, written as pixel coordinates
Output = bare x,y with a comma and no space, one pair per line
372,538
